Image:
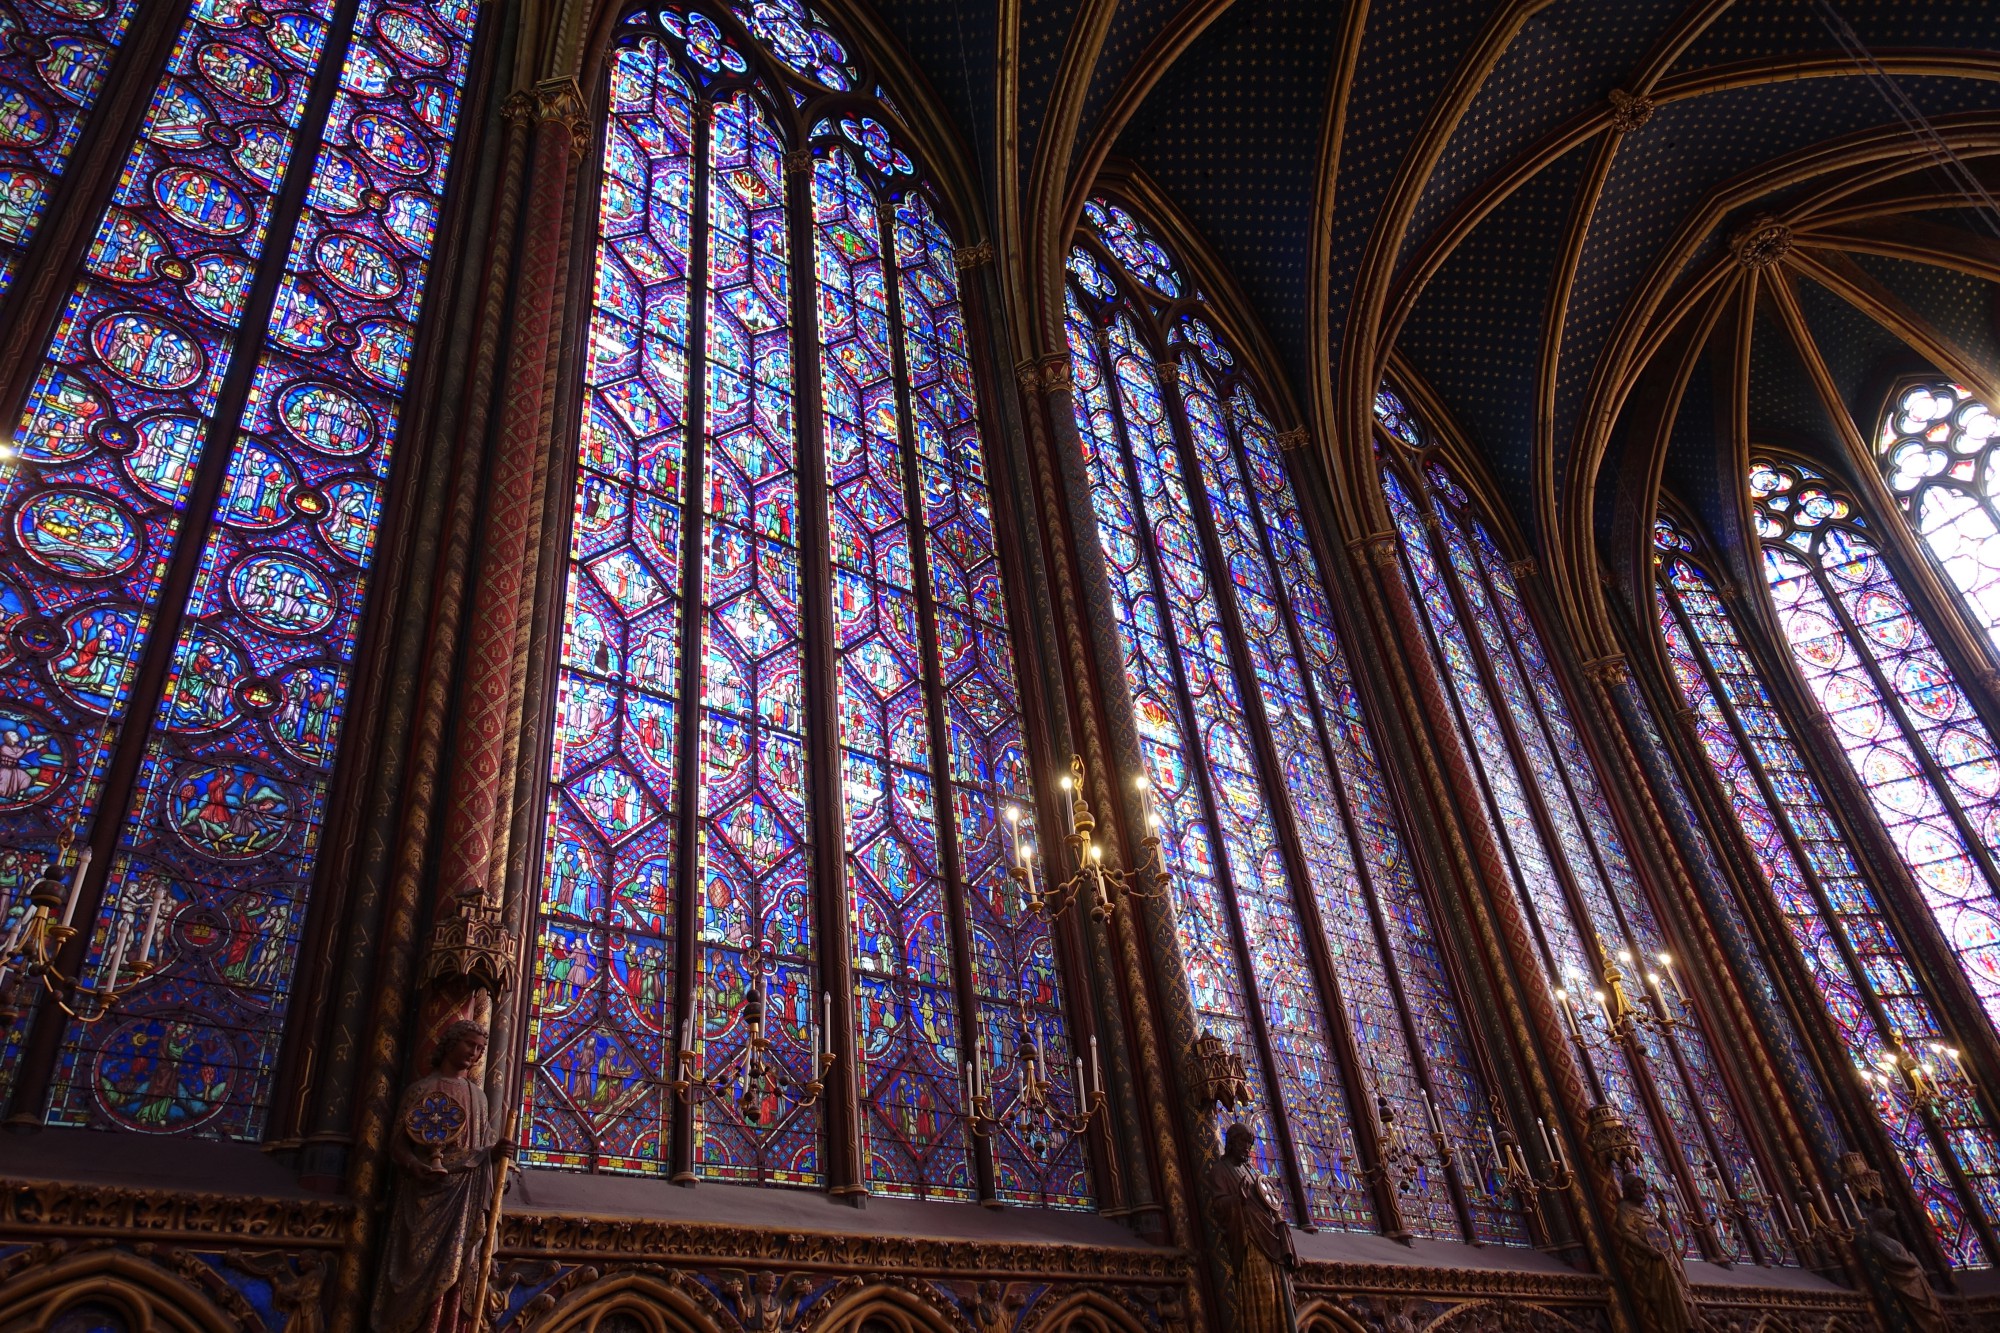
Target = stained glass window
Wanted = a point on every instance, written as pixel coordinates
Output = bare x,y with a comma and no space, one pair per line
1917,745
196,483
1304,930
737,230
54,58
1846,946
1598,940
1939,448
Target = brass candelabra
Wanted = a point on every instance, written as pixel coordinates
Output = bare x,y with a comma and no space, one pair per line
753,1074
1035,1108
1089,881
47,923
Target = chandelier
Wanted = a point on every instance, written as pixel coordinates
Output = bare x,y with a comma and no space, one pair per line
47,923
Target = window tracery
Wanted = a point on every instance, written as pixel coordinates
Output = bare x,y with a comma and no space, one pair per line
1848,948
192,496
784,242
1309,944
1920,749
1939,450
1600,945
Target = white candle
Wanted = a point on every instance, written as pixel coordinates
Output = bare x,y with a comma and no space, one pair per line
1079,1078
75,886
1145,801
118,952
826,1023
1853,1203
1493,1141
1548,1144
1437,1121
1096,1074
152,922
687,1033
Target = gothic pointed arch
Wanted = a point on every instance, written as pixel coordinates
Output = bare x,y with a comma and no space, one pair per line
1602,948
1309,938
790,764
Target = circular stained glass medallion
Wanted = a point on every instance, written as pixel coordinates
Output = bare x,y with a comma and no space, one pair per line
32,761
146,350
358,265
201,201
162,464
230,69
338,185
367,74
78,533
413,38
282,593
202,696
326,418
297,38
231,811
165,1074
261,151
24,122
179,118
21,194
95,645
391,144
78,9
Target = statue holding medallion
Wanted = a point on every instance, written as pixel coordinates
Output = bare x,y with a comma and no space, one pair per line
447,1152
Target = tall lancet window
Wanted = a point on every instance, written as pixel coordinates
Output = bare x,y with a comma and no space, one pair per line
1603,954
1848,952
1310,945
1921,750
1939,449
191,498
779,370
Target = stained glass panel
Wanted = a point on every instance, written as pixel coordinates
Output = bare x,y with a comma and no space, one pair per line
1939,448
53,62
227,812
1847,947
1916,744
600,1035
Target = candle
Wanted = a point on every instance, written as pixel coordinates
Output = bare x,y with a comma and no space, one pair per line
1825,1208
1548,1144
118,952
1145,802
687,1034
1079,1078
152,922
1493,1142
1604,1003
826,1022
1069,801
1096,1074
1569,1013
1437,1121
1853,1203
75,886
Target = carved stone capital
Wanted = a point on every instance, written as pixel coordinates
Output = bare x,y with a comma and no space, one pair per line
1763,243
1292,439
1628,112
471,947
968,257
1055,372
1029,376
1524,568
1610,671
1377,549
799,162
519,108
560,101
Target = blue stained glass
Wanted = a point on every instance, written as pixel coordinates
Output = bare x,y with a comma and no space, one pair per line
1736,719
53,61
225,821
124,395
600,1032
1127,238
1414,950
1014,965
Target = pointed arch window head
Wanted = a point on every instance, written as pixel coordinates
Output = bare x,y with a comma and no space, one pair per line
195,481
1919,747
780,368
1597,938
1847,950
1939,450
1310,945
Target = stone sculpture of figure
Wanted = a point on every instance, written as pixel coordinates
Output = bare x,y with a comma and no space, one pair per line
1257,1241
1652,1263
1920,1302
446,1151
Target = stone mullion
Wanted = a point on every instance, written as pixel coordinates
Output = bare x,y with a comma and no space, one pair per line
917,534
1364,871
1783,951
1142,1096
1556,1077
1254,1015
1637,1060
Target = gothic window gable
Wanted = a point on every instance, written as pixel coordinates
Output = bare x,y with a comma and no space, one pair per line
787,663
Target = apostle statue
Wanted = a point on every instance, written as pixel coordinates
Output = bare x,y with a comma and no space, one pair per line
1652,1263
446,1151
1914,1293
1256,1239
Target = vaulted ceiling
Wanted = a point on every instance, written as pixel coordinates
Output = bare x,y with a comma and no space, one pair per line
1534,206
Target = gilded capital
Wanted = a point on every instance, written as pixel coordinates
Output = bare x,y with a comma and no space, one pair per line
560,101
1294,438
969,257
